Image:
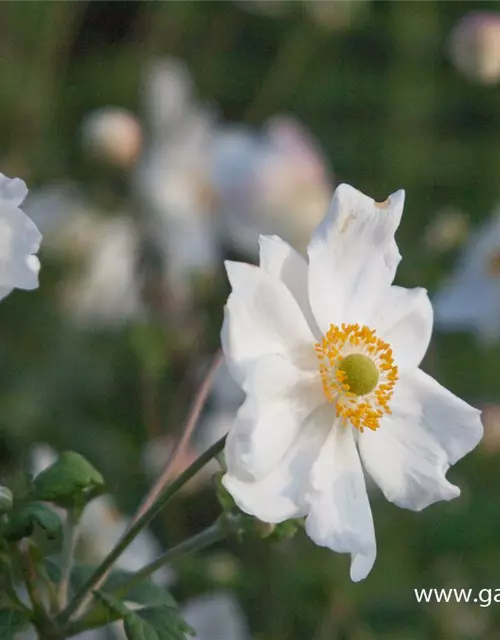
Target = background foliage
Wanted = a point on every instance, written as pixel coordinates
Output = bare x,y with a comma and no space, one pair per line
390,111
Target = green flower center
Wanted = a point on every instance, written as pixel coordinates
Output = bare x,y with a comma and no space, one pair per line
360,373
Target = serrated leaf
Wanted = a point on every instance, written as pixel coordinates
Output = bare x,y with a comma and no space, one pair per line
115,605
138,629
168,623
12,621
70,482
22,521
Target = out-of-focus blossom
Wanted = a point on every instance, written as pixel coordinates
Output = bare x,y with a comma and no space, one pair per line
216,616
106,292
112,135
469,300
475,46
328,353
101,287
172,178
491,421
19,239
274,181
332,14
448,229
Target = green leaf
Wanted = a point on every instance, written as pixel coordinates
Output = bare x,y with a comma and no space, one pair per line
12,621
138,629
115,605
6,500
22,522
70,482
167,622
150,623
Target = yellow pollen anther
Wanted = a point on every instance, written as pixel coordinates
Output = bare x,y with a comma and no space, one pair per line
358,374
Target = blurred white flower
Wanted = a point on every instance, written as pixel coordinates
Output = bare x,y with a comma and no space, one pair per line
475,46
106,292
491,421
274,181
172,178
447,230
328,353
101,287
469,300
216,616
19,239
112,135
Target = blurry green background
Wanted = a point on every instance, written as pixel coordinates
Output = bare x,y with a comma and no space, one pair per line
380,93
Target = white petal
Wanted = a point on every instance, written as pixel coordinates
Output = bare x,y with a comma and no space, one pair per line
12,190
281,261
340,517
353,256
404,319
261,317
455,424
19,239
282,494
409,455
280,398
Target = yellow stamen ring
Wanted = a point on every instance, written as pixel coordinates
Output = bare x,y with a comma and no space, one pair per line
358,374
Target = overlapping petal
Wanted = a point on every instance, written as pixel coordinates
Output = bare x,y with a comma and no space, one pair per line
454,423
280,398
282,494
262,318
404,319
340,517
353,256
281,261
429,430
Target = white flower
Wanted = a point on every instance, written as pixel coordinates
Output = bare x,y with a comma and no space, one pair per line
103,290
475,46
470,299
327,352
271,181
172,177
19,239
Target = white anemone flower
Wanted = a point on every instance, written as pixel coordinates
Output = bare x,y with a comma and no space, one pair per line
470,299
328,353
20,239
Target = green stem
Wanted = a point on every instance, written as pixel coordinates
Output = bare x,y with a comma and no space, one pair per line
69,544
137,527
205,538
209,536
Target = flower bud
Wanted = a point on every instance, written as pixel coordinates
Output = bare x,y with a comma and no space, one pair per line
113,136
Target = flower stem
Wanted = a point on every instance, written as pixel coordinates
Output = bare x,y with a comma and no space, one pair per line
205,538
136,528
69,544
